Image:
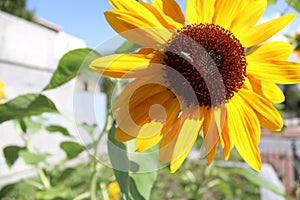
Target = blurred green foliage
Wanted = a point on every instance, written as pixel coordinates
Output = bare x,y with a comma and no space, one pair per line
194,181
17,8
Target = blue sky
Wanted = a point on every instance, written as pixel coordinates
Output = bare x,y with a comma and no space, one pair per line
85,19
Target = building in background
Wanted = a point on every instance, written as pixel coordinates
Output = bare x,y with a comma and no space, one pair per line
29,53
282,151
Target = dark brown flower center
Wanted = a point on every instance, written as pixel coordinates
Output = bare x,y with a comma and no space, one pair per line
211,60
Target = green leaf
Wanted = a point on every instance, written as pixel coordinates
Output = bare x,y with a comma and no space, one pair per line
141,184
25,106
28,125
57,128
65,174
272,2
53,193
290,37
90,128
33,158
256,179
128,47
11,154
33,126
133,185
294,3
199,142
224,188
70,65
5,190
72,149
20,125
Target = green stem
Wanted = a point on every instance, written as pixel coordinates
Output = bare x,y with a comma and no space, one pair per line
95,170
68,118
45,181
43,178
93,185
34,184
104,191
107,127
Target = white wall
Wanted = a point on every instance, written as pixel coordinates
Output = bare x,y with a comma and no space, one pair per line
29,53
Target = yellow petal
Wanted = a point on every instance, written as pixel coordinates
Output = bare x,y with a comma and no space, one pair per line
125,65
154,92
159,15
227,144
248,17
244,131
262,32
270,51
212,153
167,145
297,52
267,89
121,136
171,11
266,113
138,91
148,136
2,85
247,84
151,136
138,9
131,117
137,28
221,120
146,51
200,11
211,129
187,136
2,95
284,72
226,12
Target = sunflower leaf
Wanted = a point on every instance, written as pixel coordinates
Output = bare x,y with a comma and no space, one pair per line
272,2
295,4
133,185
33,158
57,128
128,47
11,154
256,179
20,125
290,37
25,106
32,126
72,149
60,192
89,128
70,65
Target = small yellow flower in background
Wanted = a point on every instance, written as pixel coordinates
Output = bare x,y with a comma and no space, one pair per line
2,94
233,90
114,190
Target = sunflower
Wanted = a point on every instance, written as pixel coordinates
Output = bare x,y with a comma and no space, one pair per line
198,77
